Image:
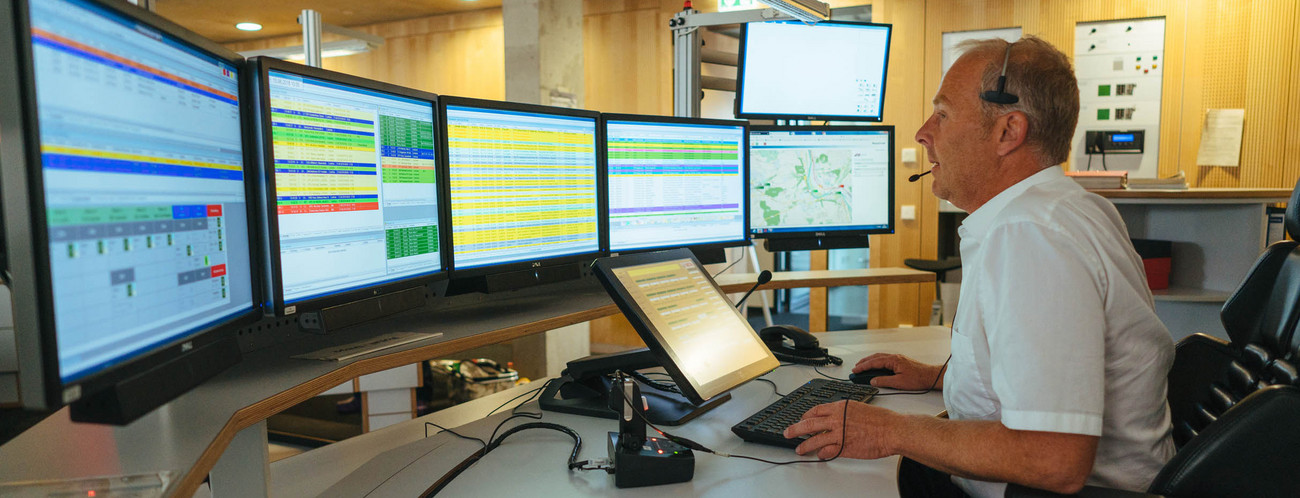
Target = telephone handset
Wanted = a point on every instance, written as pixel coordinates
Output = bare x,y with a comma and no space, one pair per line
806,350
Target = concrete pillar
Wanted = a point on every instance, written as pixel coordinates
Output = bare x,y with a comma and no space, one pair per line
543,45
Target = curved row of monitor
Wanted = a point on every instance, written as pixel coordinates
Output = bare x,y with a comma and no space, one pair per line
159,192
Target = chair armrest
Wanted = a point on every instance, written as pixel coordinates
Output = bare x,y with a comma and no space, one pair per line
1249,451
1018,491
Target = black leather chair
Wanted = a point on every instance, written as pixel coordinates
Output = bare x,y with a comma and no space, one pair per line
1236,405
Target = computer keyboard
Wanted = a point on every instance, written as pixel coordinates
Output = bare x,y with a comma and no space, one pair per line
768,424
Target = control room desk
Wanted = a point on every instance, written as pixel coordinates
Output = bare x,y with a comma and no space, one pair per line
400,461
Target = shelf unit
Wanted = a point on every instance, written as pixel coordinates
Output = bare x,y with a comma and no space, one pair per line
1217,235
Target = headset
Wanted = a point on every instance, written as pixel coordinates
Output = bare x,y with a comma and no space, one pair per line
1000,96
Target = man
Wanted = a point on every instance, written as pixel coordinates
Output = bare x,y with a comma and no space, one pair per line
1058,366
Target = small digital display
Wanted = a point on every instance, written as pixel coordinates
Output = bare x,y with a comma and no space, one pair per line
1121,137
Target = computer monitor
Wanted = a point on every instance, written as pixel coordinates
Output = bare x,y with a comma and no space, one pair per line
127,211
352,186
824,187
832,70
690,329
522,189
676,182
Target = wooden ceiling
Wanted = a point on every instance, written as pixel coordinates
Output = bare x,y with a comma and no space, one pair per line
216,19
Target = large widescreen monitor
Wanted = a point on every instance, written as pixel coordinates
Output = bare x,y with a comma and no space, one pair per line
676,182
126,205
825,187
352,190
831,70
522,183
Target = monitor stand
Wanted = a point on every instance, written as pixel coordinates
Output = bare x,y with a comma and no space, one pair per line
583,389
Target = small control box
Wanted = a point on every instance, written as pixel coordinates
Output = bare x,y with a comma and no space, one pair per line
1114,142
657,461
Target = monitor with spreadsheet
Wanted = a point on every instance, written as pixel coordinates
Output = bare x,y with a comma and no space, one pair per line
823,187
522,185
352,185
832,70
675,182
127,206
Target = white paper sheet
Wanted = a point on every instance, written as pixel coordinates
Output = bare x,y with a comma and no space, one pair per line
1221,138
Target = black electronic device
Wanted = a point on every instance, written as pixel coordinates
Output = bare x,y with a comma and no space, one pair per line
865,376
675,182
805,350
830,70
1001,96
687,324
524,200
1114,142
639,460
352,193
129,219
814,188
767,426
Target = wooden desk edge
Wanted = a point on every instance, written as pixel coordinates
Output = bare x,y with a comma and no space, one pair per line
261,410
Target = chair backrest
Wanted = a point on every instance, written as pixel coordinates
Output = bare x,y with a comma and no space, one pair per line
1236,405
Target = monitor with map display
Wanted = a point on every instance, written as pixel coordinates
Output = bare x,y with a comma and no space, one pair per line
824,187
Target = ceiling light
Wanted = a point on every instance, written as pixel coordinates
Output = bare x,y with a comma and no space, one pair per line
248,26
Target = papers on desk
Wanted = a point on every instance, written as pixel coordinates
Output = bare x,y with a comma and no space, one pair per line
1221,138
1175,182
1094,180
359,348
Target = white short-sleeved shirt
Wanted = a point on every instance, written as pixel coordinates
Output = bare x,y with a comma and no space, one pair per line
1057,331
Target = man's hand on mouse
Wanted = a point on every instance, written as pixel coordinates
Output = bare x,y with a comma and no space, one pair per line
909,374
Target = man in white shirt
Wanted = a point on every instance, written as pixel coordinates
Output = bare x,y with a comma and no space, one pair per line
1058,371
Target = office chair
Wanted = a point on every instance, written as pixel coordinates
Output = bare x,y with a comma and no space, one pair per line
1236,405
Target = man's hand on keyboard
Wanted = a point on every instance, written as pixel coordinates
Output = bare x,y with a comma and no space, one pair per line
866,434
909,374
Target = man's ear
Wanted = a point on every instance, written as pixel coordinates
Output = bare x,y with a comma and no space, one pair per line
1012,128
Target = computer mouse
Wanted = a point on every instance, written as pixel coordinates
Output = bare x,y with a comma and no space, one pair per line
865,376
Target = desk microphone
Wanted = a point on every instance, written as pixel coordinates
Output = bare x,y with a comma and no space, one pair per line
763,278
918,176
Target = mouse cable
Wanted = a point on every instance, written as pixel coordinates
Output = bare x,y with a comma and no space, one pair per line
699,447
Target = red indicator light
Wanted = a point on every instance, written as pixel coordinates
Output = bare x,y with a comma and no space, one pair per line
661,452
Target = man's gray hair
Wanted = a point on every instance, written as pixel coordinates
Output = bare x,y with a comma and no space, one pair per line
1044,80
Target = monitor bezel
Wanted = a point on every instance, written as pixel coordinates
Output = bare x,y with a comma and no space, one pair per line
823,232
266,160
603,268
26,229
527,264
607,245
740,78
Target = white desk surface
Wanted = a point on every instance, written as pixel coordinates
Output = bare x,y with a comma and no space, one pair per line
401,461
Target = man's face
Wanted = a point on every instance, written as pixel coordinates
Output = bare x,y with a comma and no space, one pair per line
956,138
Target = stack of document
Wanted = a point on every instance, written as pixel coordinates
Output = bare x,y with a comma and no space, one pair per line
1099,180
1176,182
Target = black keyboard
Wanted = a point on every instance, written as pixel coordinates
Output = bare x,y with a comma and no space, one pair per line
768,424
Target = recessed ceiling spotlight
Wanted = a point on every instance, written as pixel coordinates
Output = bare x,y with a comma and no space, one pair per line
249,26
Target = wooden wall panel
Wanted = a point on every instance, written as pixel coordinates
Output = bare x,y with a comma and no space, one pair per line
454,54
905,98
